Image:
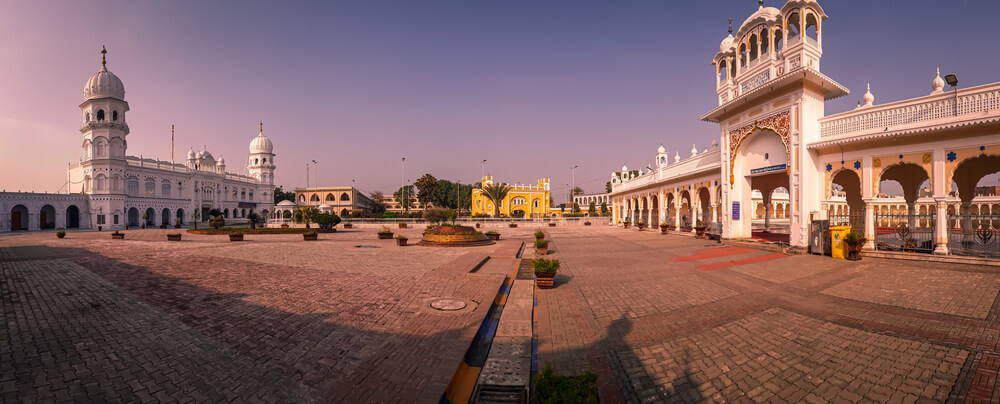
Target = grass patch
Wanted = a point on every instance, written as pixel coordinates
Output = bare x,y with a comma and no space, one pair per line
552,388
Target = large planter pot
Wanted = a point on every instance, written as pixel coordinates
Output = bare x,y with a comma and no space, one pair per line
402,225
854,250
540,251
177,226
641,227
384,236
348,226
699,232
284,226
235,238
586,223
173,237
60,235
545,280
477,225
401,242
493,237
119,236
310,237
663,230
513,225
625,225
552,225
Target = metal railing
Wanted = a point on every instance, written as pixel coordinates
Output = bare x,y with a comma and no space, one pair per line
974,235
856,221
908,233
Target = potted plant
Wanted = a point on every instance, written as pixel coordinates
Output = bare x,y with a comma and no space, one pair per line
145,218
402,225
854,243
310,235
625,224
163,226
552,224
493,235
541,247
118,235
385,233
663,228
174,237
217,222
513,225
100,228
539,235
235,235
641,225
545,272
177,226
348,226
284,225
61,233
477,225
401,240
699,229
587,223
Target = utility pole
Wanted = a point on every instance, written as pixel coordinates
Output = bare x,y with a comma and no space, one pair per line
573,188
483,176
402,185
307,174
316,172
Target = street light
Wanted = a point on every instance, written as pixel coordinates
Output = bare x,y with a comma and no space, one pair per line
952,81
316,172
483,176
402,184
571,190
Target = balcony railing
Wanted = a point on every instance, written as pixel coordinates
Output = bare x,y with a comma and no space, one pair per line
976,100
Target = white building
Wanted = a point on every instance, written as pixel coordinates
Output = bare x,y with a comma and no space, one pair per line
775,138
109,188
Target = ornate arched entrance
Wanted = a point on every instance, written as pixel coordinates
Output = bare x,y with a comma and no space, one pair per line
133,217
72,217
760,162
19,218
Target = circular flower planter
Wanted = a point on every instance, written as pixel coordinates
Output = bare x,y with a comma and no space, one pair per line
454,236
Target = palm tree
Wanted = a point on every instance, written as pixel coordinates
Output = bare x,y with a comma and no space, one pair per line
496,194
253,219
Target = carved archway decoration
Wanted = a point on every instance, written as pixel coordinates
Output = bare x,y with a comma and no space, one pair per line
778,123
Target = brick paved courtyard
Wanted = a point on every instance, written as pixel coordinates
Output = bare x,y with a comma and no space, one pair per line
659,318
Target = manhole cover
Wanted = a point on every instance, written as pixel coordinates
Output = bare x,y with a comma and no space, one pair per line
448,304
365,246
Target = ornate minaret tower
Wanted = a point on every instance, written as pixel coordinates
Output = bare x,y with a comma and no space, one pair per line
260,160
104,128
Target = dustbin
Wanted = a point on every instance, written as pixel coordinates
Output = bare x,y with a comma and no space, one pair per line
837,244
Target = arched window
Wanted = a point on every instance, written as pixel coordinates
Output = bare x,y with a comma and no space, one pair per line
345,197
265,160
753,47
535,204
99,148
100,115
302,198
165,189
243,195
721,74
794,26
133,186
100,182
87,116
150,187
255,161
743,55
114,183
765,42
812,26
114,116
517,201
778,40
314,198
330,197
251,195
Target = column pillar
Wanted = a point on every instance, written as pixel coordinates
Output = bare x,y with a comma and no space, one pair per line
941,227
677,213
869,225
614,212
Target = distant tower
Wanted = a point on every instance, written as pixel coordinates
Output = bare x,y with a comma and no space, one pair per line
260,160
662,157
104,130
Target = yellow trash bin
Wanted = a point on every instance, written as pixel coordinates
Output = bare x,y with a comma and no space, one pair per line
838,246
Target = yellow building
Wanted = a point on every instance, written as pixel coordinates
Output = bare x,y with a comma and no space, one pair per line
521,201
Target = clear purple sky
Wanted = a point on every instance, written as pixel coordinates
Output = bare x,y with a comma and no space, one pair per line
534,87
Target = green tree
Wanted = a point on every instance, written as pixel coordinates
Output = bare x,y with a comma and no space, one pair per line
496,194
604,208
254,218
281,195
326,220
446,194
607,187
576,207
434,215
405,203
427,190
305,215
195,215
378,207
215,212
592,209
576,191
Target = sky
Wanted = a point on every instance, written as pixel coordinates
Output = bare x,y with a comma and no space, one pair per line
532,86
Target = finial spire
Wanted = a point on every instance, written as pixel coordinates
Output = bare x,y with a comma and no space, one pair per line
760,3
730,26
104,52
261,127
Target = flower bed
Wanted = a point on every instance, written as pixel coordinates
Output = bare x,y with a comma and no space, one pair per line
211,232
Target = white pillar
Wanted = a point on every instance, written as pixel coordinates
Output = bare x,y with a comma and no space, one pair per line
941,227
869,225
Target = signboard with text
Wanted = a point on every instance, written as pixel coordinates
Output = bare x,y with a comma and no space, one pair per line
770,169
736,211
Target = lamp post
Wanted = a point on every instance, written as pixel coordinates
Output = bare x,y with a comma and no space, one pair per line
315,172
402,185
573,188
952,81
483,173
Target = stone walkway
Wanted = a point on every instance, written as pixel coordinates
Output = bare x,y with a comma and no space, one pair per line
271,319
674,319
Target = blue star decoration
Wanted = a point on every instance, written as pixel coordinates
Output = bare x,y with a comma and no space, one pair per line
857,165
900,156
982,148
829,167
952,156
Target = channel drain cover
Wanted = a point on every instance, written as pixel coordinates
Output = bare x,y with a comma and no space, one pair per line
448,304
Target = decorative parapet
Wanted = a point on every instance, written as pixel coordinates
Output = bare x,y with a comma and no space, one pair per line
923,111
710,161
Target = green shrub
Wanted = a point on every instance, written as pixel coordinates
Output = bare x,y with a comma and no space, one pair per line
310,232
856,237
542,243
551,388
217,222
539,234
385,230
542,265
451,215
235,233
401,237
326,221
492,233
61,232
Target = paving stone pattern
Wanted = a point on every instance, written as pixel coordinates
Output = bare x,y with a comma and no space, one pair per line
635,308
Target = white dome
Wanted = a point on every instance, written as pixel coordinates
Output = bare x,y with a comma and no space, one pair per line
104,84
762,13
727,43
286,202
661,149
191,155
624,168
222,161
869,98
261,144
938,84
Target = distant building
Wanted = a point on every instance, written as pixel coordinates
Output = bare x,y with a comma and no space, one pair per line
521,201
395,206
340,200
988,191
584,202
